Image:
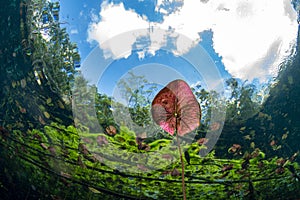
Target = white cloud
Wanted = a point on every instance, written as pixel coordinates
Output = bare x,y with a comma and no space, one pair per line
94,16
115,20
252,37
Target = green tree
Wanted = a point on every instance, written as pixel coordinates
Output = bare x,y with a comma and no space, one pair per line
240,105
84,104
54,55
103,105
137,91
38,65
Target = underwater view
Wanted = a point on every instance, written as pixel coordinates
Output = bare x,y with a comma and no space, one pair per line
150,99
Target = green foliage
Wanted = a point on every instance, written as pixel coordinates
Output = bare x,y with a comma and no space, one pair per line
54,56
240,105
103,105
58,159
40,159
38,67
209,101
138,93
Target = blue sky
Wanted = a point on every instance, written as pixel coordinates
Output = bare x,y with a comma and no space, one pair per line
236,37
70,11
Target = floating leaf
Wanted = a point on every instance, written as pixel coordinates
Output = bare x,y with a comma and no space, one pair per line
47,115
202,141
243,128
94,190
42,120
44,146
120,138
48,101
141,145
275,148
13,84
175,108
60,104
23,83
36,74
101,140
279,170
175,172
247,137
131,143
23,110
273,143
111,130
66,175
235,148
41,107
227,167
284,136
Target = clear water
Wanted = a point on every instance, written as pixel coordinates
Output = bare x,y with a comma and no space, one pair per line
78,125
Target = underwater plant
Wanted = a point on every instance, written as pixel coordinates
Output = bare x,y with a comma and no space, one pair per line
176,110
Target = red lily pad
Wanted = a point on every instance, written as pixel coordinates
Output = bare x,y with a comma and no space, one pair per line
176,109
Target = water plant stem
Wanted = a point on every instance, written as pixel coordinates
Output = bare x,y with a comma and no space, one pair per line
182,167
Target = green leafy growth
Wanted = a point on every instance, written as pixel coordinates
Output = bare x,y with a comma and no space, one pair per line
48,158
39,64
42,156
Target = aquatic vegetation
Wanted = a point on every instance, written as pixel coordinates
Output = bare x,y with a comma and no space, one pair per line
59,152
176,110
44,156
